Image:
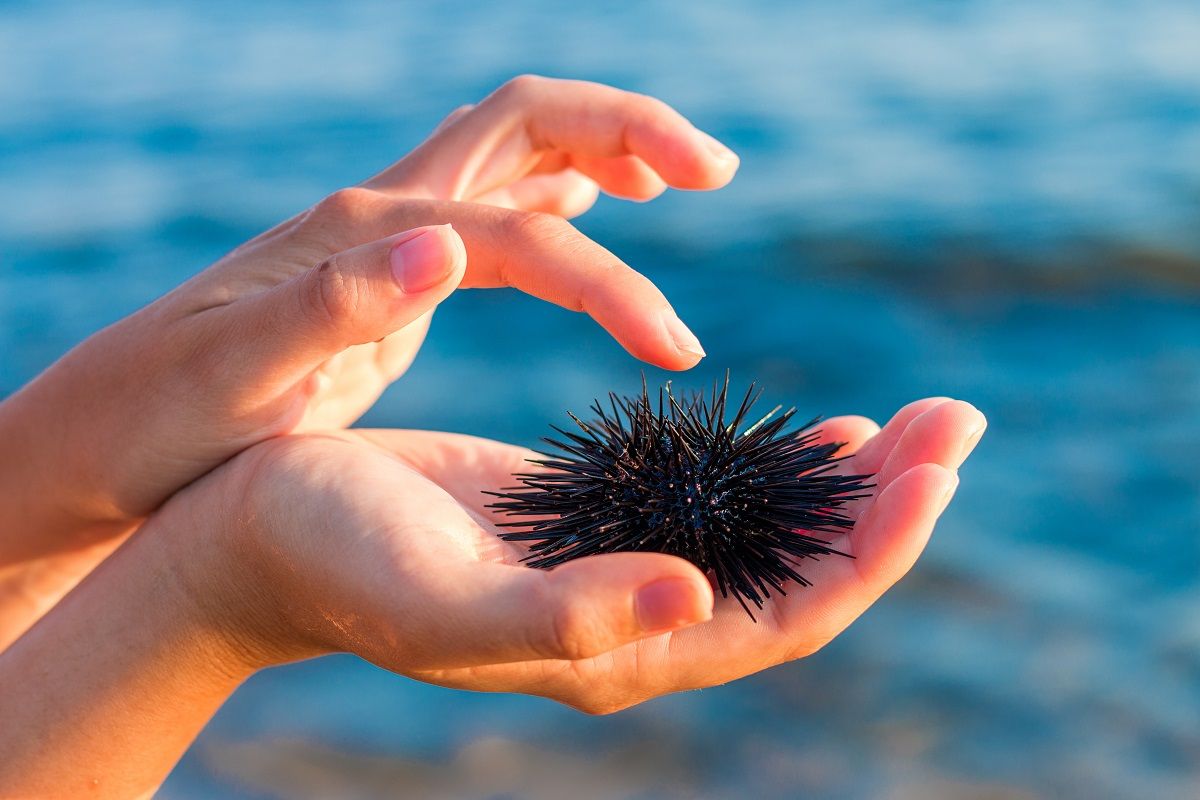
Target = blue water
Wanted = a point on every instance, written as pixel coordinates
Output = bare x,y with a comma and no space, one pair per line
998,201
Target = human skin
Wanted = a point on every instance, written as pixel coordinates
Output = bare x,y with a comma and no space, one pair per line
379,543
304,326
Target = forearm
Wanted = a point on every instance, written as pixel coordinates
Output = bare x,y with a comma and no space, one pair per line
60,455
106,692
48,540
31,588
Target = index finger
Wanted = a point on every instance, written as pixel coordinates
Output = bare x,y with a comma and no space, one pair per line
545,256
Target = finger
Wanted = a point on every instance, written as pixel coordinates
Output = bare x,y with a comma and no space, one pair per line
566,194
499,613
505,135
893,532
545,256
848,431
872,454
552,161
945,435
627,177
887,542
461,465
356,296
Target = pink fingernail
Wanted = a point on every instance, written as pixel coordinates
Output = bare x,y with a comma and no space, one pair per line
685,341
670,604
420,262
948,494
972,440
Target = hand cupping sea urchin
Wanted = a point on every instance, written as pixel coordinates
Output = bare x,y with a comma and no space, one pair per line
672,476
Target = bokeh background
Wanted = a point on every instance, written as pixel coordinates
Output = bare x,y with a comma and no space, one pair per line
996,200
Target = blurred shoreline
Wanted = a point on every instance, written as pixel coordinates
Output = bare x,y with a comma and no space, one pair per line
996,200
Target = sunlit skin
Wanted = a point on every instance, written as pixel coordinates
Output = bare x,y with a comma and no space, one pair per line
303,327
379,543
212,419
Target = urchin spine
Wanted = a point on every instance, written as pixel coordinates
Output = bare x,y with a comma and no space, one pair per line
746,506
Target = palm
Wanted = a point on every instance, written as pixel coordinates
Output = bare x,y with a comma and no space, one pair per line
354,379
457,536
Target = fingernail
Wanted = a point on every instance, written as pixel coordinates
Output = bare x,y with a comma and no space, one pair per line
685,340
972,440
670,604
717,149
948,493
420,262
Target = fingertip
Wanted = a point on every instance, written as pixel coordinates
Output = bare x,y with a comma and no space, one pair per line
580,201
567,193
954,419
978,428
664,341
456,249
624,597
677,362
685,343
874,453
640,196
685,157
916,408
670,604
943,434
719,165
851,430
625,177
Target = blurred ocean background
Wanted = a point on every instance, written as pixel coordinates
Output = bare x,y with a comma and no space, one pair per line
997,200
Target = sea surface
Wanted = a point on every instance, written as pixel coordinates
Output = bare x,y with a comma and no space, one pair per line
996,200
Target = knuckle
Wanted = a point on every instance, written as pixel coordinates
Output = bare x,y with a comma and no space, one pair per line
611,283
536,226
348,205
575,632
521,86
328,295
647,105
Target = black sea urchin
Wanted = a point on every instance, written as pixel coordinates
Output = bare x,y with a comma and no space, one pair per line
742,505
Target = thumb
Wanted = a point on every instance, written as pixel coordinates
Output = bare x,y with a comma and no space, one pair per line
500,613
356,296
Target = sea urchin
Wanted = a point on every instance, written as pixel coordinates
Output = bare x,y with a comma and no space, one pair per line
746,506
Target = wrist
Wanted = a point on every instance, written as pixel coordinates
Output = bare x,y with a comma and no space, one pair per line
50,500
216,541
135,664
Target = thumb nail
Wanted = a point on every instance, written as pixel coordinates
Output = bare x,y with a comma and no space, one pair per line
669,604
420,262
